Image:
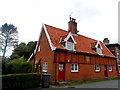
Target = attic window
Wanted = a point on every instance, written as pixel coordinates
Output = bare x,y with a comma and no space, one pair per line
69,45
98,48
99,51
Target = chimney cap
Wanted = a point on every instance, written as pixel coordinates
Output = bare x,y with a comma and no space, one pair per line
72,19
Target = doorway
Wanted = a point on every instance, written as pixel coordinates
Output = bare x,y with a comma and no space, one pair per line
61,72
105,71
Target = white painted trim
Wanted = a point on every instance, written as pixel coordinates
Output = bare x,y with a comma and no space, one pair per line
69,49
97,70
30,57
70,35
49,40
110,68
98,43
74,67
35,50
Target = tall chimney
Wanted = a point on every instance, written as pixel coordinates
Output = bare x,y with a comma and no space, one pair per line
72,26
106,41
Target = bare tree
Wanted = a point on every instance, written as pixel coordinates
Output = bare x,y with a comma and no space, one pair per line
8,37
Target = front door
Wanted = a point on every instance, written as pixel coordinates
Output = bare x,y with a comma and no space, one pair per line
105,71
61,72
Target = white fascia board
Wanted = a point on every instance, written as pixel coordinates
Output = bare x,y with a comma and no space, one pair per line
30,57
98,43
36,47
38,40
70,35
49,40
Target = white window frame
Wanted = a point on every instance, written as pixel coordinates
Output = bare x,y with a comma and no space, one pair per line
45,67
74,67
97,68
110,68
99,51
38,48
71,47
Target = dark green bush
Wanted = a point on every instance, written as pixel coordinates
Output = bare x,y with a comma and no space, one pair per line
17,66
21,81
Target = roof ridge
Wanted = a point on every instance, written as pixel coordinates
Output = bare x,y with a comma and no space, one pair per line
68,32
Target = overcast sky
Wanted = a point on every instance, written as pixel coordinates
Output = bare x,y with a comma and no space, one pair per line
96,19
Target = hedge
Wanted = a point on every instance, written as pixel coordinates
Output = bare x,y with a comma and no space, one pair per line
21,81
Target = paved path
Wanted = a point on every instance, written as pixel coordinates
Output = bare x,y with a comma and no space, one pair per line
102,84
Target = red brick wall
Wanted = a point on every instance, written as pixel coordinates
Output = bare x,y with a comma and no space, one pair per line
86,69
46,55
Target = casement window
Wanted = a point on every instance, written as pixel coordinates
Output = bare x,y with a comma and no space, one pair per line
110,68
97,68
45,67
99,51
74,67
39,49
69,45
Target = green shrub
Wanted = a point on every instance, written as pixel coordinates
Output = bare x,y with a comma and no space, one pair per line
17,66
21,81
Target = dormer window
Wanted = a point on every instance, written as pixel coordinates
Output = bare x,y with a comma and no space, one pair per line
69,45
99,51
98,48
70,42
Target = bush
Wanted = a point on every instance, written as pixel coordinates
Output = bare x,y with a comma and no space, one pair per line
21,81
17,66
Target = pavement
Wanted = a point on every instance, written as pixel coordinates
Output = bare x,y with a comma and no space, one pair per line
110,85
101,84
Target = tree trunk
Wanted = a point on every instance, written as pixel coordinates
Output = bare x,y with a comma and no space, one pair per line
4,51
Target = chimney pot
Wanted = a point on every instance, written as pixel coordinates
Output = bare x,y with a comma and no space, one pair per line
106,41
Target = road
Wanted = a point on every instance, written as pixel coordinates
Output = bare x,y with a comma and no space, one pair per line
102,84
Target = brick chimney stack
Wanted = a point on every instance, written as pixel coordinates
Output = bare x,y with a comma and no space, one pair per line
106,41
72,26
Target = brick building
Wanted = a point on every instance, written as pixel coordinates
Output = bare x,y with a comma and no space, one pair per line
115,49
67,55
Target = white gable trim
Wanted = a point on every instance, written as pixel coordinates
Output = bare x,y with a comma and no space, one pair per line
70,35
98,43
30,57
49,40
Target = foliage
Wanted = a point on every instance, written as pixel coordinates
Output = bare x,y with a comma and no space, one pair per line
8,37
21,81
23,50
17,66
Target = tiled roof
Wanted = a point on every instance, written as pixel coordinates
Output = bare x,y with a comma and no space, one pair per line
84,44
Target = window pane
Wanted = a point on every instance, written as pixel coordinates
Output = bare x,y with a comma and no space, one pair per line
70,45
99,51
72,67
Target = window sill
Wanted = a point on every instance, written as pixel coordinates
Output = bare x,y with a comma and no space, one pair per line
45,71
74,71
97,70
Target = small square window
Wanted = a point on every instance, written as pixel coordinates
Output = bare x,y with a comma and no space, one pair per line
97,68
69,45
99,51
110,68
74,67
